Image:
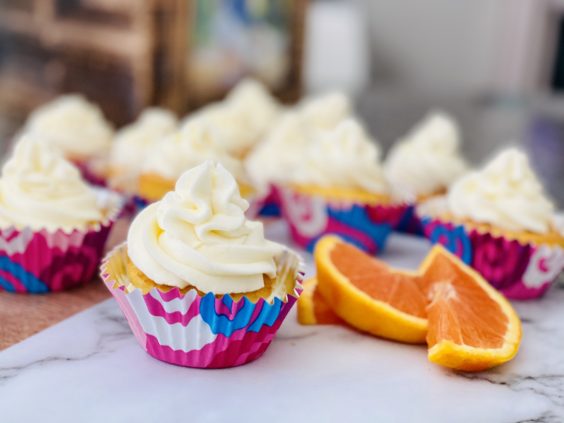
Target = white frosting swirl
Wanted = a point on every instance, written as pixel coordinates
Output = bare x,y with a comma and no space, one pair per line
345,157
505,193
326,111
198,235
194,144
133,142
40,189
73,125
276,158
427,161
256,106
242,119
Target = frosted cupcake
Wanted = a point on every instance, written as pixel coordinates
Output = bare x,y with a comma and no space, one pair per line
424,164
78,129
53,225
340,188
132,144
500,221
274,160
181,151
243,118
197,281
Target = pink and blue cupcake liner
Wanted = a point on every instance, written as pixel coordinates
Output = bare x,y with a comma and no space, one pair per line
203,331
41,261
521,271
310,217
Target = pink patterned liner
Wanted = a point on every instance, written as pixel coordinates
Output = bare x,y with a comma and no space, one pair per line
310,217
40,261
191,330
519,270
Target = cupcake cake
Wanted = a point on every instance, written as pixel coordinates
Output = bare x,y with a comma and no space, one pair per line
500,221
78,129
340,188
242,119
53,225
183,150
273,160
424,164
132,144
197,281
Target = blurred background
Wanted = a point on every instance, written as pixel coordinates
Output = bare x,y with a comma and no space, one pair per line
496,65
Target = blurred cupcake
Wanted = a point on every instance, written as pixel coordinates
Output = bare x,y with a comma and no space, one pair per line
242,119
198,283
53,225
78,129
424,164
500,221
132,144
181,151
274,159
340,188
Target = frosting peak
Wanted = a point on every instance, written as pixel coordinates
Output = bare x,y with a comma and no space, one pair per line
198,235
40,189
134,141
195,143
345,157
505,193
326,111
74,125
427,160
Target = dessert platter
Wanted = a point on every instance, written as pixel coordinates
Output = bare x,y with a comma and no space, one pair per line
276,265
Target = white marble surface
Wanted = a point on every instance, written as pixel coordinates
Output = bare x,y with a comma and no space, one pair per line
90,369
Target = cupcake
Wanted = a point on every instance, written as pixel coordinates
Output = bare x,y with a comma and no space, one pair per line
184,149
53,225
131,145
500,221
340,188
242,119
274,159
78,129
424,164
197,281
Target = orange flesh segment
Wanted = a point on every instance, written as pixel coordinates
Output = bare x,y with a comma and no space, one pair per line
460,310
400,290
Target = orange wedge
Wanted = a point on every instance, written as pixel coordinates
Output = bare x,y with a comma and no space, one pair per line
369,295
312,308
472,327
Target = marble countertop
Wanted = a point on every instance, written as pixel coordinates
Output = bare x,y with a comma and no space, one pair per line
90,369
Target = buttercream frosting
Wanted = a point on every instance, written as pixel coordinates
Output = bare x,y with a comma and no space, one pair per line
195,143
198,235
40,189
74,125
505,193
427,161
345,157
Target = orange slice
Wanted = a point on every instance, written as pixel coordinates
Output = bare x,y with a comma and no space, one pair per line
472,327
369,295
312,308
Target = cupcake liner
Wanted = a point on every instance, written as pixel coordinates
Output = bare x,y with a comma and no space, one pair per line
41,261
365,225
410,223
521,271
191,330
271,204
89,174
